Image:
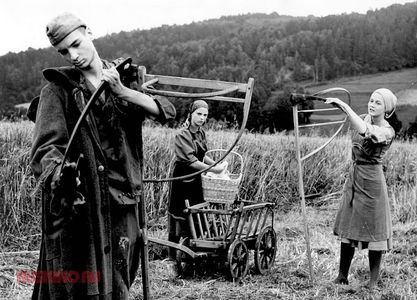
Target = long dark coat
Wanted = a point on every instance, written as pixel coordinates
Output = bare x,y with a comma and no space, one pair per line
81,243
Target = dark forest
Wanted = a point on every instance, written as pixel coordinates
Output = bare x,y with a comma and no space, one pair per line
281,53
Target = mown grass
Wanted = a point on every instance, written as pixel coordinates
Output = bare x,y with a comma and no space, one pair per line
289,278
269,175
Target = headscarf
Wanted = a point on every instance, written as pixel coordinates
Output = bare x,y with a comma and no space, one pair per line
389,99
193,107
198,104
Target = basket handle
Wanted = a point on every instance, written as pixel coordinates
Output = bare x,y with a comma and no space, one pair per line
231,152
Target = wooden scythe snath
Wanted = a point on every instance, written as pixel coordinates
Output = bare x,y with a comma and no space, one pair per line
295,100
220,88
218,91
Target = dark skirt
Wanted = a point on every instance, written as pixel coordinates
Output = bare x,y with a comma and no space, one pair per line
364,214
189,189
181,190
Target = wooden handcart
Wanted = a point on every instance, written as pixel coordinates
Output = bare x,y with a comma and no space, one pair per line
226,234
224,229
229,234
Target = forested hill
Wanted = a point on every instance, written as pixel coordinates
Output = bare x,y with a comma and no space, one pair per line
280,52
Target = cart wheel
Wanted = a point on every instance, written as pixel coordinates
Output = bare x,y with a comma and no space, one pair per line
182,259
238,258
265,249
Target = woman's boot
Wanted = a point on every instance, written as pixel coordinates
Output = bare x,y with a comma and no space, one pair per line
375,258
346,255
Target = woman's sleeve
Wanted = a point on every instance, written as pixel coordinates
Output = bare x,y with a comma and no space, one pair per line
184,147
379,134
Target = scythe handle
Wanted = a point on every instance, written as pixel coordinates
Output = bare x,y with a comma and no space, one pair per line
144,255
300,98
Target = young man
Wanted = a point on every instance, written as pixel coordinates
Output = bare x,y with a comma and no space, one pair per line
90,240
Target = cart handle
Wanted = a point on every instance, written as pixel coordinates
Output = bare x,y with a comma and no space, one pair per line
173,245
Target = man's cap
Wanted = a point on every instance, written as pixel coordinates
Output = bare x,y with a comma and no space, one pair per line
61,26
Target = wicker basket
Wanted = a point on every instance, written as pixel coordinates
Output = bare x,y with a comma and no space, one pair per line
222,190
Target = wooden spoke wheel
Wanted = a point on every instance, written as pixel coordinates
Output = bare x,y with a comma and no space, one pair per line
265,250
238,259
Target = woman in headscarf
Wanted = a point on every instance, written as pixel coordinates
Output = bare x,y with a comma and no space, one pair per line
364,220
190,150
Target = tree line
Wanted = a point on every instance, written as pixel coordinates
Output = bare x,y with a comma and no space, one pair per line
281,53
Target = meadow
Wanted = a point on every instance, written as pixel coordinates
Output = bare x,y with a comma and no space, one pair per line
403,83
269,175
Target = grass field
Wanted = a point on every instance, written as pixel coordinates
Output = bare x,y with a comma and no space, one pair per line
288,279
403,83
269,175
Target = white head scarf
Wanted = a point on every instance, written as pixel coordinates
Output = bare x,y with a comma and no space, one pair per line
389,99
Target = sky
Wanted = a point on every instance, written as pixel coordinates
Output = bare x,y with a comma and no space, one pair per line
22,22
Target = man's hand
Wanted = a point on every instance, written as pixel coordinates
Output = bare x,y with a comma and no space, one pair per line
64,189
112,77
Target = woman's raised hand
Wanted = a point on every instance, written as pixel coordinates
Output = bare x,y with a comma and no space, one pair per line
337,102
220,168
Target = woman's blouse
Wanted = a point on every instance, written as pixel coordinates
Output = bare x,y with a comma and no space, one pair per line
370,147
190,147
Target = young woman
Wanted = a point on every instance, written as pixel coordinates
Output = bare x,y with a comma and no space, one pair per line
363,220
190,150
